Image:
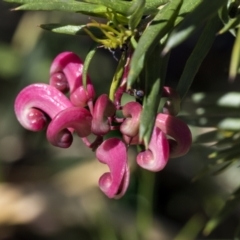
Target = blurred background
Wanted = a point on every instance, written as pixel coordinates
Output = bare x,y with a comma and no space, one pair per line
52,193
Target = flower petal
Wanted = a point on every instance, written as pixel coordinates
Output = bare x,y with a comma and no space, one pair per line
156,156
113,152
178,130
132,112
103,109
35,100
76,118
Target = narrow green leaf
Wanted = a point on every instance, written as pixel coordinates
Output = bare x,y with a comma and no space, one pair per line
153,88
233,23
235,58
205,10
223,14
32,1
124,6
117,77
136,13
86,64
187,7
152,5
84,8
197,56
65,29
160,25
71,29
118,6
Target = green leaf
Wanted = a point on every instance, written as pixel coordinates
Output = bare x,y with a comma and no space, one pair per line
117,76
161,24
235,58
153,88
136,13
65,29
31,1
205,10
197,56
117,6
86,64
187,7
71,29
232,24
124,6
81,7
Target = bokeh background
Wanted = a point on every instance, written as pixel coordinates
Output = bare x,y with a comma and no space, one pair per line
51,193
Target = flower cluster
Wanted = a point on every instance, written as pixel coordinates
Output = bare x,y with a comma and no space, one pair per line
81,112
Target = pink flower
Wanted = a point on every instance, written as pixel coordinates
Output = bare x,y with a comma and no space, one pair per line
75,118
103,109
66,73
113,152
38,103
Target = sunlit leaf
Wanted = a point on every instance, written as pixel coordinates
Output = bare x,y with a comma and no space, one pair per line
137,10
205,10
117,76
235,58
86,64
71,6
123,7
153,87
160,25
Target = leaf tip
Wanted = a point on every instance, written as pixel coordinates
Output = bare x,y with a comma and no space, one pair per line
165,51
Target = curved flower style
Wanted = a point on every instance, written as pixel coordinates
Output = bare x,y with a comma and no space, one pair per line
36,100
67,66
77,118
37,103
179,132
156,156
113,152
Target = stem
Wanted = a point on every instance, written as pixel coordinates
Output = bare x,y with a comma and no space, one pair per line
144,204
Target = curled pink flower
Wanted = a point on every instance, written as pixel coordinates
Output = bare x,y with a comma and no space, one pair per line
36,100
67,66
156,156
179,132
113,152
131,111
103,109
75,118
